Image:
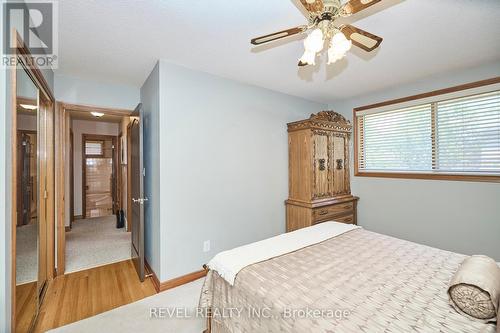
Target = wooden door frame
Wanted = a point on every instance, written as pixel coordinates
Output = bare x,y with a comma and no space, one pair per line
129,179
72,178
114,163
63,112
24,55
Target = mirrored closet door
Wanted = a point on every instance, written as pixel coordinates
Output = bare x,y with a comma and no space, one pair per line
28,204
31,148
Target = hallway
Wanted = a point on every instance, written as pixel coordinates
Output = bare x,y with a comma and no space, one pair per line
95,242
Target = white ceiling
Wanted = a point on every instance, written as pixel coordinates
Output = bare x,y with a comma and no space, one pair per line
120,41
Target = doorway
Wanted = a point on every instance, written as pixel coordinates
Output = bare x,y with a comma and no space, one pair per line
93,231
99,170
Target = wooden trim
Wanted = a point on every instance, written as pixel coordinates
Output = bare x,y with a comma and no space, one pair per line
428,176
61,197
67,229
13,190
88,108
71,174
467,86
119,185
179,281
129,178
173,283
24,53
411,175
152,275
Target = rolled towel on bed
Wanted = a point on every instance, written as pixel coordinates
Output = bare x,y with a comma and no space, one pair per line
475,288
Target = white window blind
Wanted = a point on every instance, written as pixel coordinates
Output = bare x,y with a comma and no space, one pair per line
456,136
468,134
94,148
398,140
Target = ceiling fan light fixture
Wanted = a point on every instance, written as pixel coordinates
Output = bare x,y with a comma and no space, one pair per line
339,46
313,44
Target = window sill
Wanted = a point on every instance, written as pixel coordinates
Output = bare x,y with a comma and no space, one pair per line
430,176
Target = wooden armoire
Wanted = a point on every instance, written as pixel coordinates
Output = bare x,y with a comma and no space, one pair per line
319,182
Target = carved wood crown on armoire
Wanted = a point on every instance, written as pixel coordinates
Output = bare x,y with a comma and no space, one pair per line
319,182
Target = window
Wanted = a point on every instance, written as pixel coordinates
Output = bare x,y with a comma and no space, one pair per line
449,135
94,148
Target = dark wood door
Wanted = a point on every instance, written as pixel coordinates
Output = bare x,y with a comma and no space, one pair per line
137,173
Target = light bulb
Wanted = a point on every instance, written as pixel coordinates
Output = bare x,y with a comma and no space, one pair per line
97,114
339,46
308,58
313,44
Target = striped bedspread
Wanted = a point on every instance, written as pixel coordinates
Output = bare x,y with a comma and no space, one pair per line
357,282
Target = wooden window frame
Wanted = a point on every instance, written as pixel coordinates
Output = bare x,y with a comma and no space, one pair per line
421,175
101,142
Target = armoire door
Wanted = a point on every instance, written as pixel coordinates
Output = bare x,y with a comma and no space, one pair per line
321,165
340,164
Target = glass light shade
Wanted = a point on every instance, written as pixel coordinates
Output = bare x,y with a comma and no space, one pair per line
29,107
97,114
313,44
339,46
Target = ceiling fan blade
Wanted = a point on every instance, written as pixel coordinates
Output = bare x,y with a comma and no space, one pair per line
313,6
355,6
361,38
278,35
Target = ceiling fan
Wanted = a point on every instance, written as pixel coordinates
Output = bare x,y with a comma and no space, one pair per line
339,38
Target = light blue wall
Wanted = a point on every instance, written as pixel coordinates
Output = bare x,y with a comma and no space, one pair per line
224,164
151,105
457,216
75,90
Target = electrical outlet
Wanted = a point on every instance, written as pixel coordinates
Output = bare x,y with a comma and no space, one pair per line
206,246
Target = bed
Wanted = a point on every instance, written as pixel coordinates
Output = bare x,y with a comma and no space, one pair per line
356,281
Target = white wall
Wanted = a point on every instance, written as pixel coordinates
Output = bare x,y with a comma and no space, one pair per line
75,90
457,216
224,164
81,127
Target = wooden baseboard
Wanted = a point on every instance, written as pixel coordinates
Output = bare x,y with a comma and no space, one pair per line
67,228
176,282
154,278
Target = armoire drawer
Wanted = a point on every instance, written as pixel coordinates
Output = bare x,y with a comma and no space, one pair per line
327,212
349,219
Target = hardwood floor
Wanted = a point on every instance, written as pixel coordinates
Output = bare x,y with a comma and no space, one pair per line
83,294
25,306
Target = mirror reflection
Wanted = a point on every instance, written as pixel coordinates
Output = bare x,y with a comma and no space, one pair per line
27,224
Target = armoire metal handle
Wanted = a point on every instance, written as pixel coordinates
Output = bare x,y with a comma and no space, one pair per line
322,164
340,164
